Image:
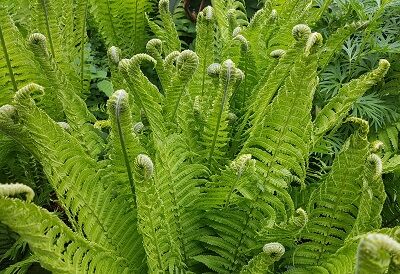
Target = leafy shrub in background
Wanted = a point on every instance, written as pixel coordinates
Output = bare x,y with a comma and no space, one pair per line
208,170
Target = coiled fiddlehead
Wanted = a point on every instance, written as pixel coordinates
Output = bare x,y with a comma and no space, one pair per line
378,253
272,252
186,65
114,54
376,161
16,189
301,32
145,165
278,53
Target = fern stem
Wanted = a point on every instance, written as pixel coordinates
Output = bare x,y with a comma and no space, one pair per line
123,147
7,57
46,17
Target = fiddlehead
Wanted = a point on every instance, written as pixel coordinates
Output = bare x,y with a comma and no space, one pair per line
145,165
301,32
145,94
215,132
378,253
15,189
272,252
278,53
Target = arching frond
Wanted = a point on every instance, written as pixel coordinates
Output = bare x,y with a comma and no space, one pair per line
73,173
338,107
335,206
56,247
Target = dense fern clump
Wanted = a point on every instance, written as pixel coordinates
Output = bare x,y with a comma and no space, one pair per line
205,169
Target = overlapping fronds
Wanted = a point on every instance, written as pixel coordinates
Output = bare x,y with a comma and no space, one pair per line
201,163
16,62
278,139
336,208
122,23
215,134
337,108
72,173
145,94
55,245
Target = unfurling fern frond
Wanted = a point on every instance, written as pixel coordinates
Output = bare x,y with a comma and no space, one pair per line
205,31
16,62
337,108
124,142
378,253
277,139
73,173
151,220
167,33
260,263
215,134
61,90
175,93
336,208
145,94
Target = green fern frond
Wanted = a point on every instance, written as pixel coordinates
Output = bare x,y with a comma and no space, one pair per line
179,186
122,23
154,48
335,41
205,30
186,65
337,108
16,62
215,134
56,247
167,33
163,253
335,206
83,187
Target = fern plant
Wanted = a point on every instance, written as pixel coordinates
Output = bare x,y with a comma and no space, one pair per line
203,173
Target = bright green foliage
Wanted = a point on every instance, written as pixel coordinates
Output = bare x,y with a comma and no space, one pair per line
338,106
55,245
204,171
16,64
167,33
122,23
